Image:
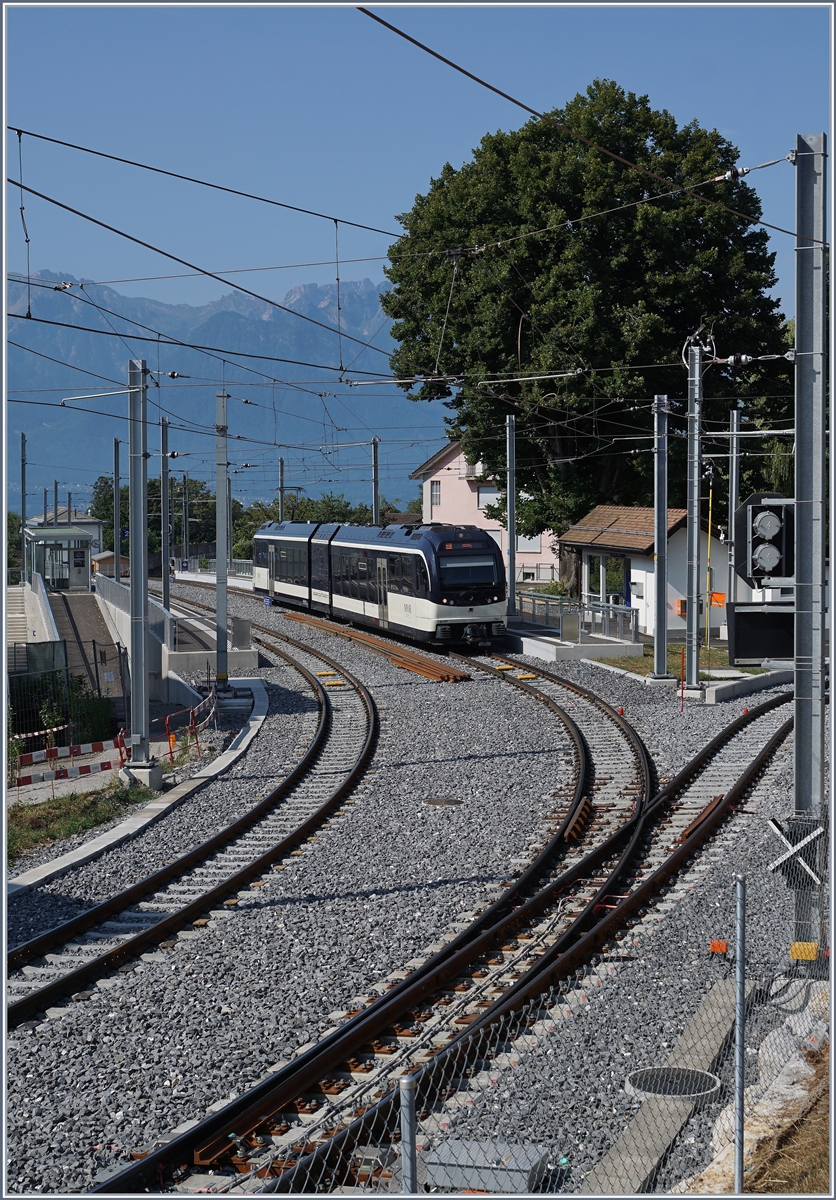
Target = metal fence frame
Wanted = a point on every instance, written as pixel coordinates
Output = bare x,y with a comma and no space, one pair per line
576,621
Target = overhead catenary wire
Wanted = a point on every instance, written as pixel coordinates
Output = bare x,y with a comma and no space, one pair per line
184,262
681,188
218,187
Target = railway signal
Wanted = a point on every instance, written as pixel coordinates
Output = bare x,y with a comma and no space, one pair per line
764,540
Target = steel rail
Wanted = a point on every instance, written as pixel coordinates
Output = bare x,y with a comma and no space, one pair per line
554,965
20,1010
252,1108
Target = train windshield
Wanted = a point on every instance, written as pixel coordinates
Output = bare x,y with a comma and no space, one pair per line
465,570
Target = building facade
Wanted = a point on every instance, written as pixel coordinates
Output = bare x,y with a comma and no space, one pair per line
456,492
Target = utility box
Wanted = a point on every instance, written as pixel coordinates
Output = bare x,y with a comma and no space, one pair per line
486,1166
241,634
759,631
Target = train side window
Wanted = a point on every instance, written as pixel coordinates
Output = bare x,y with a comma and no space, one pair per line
421,577
394,573
362,578
407,578
354,574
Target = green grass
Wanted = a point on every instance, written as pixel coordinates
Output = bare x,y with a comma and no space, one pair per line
32,825
643,666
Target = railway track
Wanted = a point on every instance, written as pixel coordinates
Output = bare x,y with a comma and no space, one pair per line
306,1117
66,959
291,1128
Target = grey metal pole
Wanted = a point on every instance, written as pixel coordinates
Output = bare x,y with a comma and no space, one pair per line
228,523
511,503
739,1031
220,538
810,512
734,496
186,546
23,568
138,520
117,515
69,508
165,517
692,618
409,1155
660,531
55,502
375,482
46,493
281,489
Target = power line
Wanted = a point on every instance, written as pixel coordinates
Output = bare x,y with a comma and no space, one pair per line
218,187
214,351
689,190
184,262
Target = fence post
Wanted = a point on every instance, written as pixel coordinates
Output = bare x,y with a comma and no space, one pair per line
739,1031
409,1157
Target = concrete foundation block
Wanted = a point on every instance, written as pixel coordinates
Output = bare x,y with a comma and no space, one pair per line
151,776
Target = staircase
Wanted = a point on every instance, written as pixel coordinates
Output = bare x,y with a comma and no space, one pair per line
16,628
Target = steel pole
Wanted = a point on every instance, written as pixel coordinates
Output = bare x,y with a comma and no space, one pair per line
55,502
810,514
220,537
117,516
409,1155
186,546
69,508
375,482
739,1031
165,517
281,489
660,532
138,521
24,574
46,494
228,523
734,496
692,618
511,503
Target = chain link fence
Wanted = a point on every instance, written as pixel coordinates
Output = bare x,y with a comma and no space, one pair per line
620,1080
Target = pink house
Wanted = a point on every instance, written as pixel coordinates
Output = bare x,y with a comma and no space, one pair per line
456,492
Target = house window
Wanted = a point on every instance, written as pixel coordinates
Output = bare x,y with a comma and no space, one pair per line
435,493
486,496
530,545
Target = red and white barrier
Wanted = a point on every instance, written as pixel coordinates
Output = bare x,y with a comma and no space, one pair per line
67,773
36,756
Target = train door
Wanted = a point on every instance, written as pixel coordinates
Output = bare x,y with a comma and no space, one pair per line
271,570
382,593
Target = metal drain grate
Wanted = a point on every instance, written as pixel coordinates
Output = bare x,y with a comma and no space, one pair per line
683,1083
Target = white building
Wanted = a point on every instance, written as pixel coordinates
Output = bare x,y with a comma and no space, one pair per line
621,538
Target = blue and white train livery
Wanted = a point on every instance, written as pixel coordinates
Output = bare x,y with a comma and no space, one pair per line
433,583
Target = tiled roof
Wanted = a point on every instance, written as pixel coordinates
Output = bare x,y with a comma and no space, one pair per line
620,527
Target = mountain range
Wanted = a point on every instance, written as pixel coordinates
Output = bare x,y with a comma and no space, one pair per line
81,335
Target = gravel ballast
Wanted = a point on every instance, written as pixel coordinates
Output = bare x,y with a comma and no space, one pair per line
206,1018
289,725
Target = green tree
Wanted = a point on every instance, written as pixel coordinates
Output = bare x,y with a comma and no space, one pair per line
13,527
507,269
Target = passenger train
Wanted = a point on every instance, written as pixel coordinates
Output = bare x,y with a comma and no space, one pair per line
433,583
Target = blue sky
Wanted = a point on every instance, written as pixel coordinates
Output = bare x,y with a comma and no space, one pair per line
322,108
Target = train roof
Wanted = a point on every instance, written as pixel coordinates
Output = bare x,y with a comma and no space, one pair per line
432,535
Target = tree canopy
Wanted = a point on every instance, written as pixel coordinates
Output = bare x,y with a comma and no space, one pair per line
543,257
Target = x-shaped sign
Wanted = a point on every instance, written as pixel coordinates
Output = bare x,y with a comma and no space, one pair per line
794,849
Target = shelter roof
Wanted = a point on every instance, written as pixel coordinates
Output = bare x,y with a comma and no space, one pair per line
620,528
